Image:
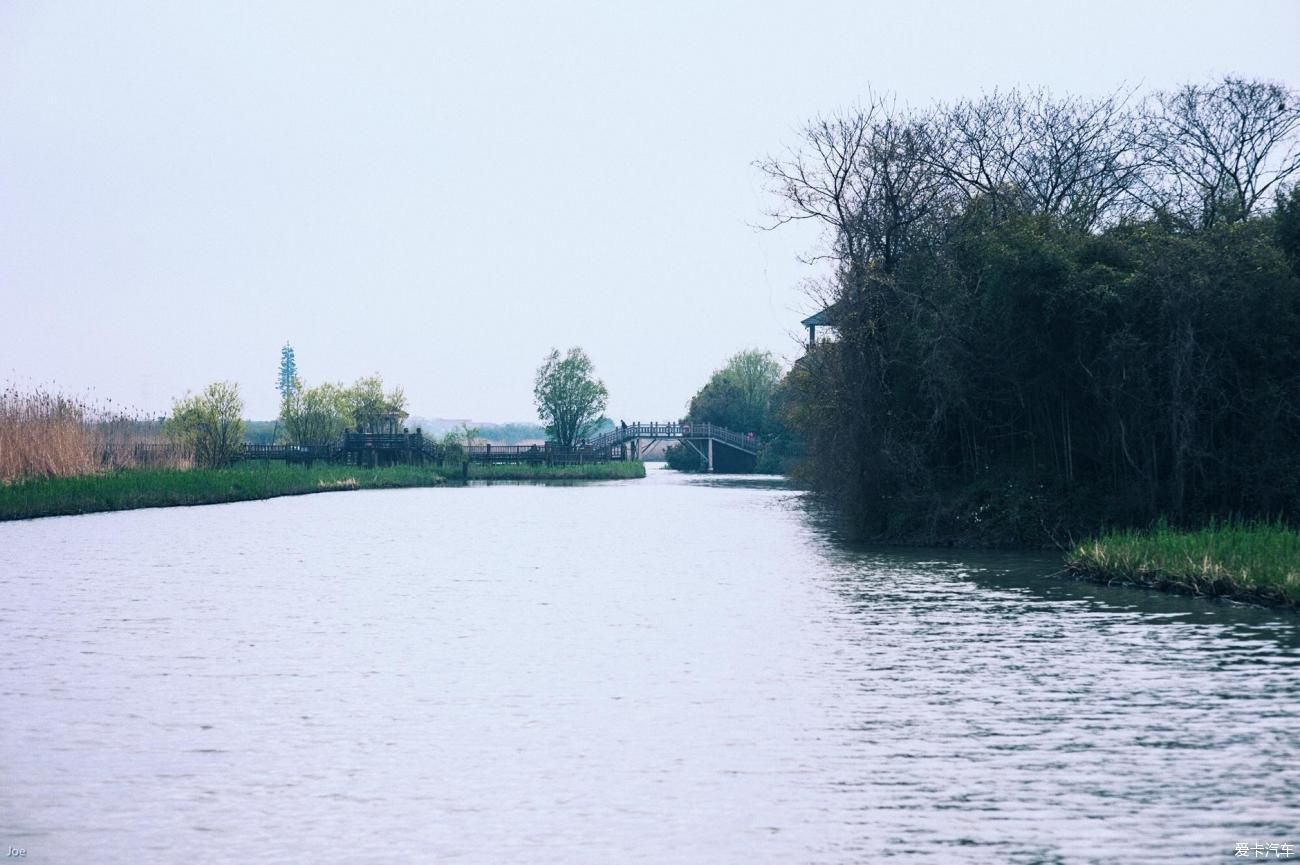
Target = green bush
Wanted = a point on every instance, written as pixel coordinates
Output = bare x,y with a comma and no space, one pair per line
209,425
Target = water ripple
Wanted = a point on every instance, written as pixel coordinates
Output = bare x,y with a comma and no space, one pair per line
674,670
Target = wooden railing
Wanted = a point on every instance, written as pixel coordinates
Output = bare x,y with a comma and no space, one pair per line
153,454
382,441
290,453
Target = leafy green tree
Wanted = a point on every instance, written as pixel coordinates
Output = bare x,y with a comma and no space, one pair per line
316,416
570,399
209,425
739,395
320,415
371,409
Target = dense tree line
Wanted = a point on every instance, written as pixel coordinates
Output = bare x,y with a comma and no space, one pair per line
1053,313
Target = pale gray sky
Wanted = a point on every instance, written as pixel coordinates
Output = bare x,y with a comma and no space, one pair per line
441,192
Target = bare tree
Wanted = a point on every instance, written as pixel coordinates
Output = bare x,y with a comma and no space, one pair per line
1073,158
868,177
976,143
1222,148
822,181
904,189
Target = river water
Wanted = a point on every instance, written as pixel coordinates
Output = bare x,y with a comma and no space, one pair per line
674,670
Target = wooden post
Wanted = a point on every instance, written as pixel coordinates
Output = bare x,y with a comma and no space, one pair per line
710,454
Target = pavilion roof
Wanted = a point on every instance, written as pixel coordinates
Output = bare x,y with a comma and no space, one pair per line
821,318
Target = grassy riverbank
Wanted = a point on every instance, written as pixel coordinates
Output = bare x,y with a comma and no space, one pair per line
628,470
1258,562
153,488
160,488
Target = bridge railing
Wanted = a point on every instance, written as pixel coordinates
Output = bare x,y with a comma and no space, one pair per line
621,434
743,441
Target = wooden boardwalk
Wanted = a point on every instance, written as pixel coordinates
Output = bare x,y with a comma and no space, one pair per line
627,441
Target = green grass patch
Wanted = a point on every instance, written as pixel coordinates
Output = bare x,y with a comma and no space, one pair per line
611,471
153,488
1256,562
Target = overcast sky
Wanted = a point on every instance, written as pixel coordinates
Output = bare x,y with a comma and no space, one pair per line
442,192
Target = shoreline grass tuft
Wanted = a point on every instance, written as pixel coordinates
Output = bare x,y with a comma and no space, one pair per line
1253,562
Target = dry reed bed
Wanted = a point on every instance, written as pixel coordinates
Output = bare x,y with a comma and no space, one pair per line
47,435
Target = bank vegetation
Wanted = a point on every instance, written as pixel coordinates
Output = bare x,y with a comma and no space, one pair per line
1255,562
61,455
158,488
47,434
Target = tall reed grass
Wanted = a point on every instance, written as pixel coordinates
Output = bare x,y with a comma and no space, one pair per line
1248,561
45,435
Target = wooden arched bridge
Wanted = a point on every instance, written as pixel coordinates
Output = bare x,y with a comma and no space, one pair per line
700,437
